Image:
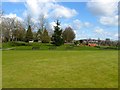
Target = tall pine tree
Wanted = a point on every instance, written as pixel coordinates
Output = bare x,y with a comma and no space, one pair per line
29,34
57,38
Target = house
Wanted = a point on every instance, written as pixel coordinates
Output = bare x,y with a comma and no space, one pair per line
89,42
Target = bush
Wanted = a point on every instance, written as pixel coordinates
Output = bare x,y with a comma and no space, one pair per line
76,42
97,46
18,43
35,48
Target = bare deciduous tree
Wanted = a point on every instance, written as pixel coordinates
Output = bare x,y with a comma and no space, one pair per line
42,22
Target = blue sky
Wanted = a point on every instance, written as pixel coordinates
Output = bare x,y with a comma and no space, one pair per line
88,19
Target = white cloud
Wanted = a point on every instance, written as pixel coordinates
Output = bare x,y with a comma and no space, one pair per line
87,24
62,12
109,20
106,10
103,7
99,31
13,0
116,35
34,20
49,8
75,31
77,24
51,25
38,7
104,33
11,15
63,25
24,0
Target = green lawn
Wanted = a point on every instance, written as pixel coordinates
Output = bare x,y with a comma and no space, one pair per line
0,66
0,45
60,69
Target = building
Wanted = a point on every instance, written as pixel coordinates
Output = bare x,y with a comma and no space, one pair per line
89,42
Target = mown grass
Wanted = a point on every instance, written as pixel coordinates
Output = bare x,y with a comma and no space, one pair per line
60,69
0,65
0,44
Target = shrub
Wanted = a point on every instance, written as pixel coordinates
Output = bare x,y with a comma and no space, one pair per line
97,46
35,48
18,43
76,42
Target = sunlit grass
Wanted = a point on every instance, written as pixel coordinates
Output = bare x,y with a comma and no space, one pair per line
60,69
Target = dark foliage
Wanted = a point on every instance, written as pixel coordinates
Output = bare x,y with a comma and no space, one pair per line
29,34
57,38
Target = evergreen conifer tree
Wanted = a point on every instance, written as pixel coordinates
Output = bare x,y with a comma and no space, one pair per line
29,34
57,38
45,37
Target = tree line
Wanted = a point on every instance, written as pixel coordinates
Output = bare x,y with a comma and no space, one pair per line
16,30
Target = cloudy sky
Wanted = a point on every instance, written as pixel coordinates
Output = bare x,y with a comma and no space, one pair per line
89,19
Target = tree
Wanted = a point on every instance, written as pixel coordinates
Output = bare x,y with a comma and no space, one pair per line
81,41
1,14
18,32
12,29
68,34
99,41
41,26
45,38
39,35
28,21
42,21
8,26
29,34
57,38
107,41
21,34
